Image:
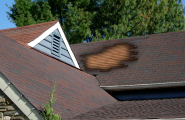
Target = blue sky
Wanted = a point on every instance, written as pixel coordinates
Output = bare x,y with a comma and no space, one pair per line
5,23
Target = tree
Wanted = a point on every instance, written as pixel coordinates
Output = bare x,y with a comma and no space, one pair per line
94,20
128,18
48,110
27,12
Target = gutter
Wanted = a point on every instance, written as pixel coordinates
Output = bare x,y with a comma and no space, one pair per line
143,86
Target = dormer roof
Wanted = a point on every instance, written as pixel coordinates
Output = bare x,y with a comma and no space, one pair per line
47,38
26,34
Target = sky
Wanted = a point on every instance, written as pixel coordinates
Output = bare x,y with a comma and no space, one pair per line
5,23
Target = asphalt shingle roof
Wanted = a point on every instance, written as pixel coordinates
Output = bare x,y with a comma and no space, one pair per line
26,34
161,58
141,109
34,74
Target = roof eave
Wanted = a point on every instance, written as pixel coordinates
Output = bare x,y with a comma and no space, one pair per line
19,99
143,86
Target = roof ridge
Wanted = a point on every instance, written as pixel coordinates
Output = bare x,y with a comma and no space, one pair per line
27,26
128,38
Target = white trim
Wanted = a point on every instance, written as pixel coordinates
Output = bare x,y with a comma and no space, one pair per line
143,86
49,31
67,45
21,102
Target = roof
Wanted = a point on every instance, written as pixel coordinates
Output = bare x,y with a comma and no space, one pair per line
31,35
79,94
26,34
160,60
141,109
34,74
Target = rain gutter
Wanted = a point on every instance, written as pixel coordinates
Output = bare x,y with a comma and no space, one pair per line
143,86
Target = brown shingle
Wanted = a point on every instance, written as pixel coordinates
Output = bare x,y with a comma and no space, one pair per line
26,34
34,74
160,59
141,109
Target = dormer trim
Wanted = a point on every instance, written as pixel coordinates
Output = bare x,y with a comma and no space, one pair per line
49,31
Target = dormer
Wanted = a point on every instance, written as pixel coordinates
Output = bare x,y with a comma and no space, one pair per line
54,43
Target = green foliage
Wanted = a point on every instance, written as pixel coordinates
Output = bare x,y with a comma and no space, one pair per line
27,12
95,20
128,18
48,110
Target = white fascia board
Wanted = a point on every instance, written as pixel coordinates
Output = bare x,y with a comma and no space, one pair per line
49,31
20,101
67,45
143,86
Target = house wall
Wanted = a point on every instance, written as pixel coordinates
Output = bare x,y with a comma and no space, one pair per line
8,110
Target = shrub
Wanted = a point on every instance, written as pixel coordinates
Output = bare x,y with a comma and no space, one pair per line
48,110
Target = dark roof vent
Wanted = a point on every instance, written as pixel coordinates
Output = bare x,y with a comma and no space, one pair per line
56,45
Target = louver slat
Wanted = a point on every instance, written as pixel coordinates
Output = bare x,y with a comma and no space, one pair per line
56,45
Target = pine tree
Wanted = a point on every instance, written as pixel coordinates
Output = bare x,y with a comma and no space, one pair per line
128,18
95,20
27,12
77,21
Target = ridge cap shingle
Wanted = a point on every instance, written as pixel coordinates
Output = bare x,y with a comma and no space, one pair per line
151,35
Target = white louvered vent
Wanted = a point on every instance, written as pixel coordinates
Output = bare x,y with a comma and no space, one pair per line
56,45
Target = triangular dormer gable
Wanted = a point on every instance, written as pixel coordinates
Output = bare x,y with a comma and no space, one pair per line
54,43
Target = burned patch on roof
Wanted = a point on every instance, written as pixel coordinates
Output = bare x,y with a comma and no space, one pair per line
110,57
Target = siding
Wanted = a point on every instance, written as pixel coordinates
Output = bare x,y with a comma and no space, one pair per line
54,46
